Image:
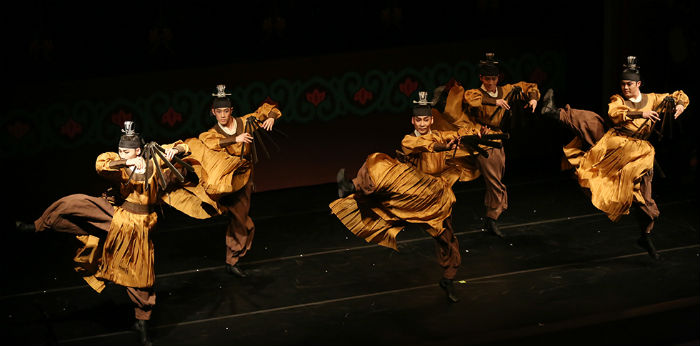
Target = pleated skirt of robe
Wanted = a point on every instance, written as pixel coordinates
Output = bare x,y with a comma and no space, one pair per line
613,170
127,255
402,195
219,172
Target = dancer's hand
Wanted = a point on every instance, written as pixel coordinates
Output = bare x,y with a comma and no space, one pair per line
484,130
452,143
244,138
679,110
267,124
532,104
502,103
170,153
138,163
651,115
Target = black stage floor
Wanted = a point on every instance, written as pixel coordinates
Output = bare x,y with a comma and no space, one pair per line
565,275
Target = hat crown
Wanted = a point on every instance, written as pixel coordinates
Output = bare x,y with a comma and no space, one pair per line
489,67
221,91
630,69
422,107
631,63
130,139
422,98
490,59
128,129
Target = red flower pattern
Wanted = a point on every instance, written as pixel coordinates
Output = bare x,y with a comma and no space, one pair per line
408,86
362,96
120,117
18,129
71,128
316,97
171,117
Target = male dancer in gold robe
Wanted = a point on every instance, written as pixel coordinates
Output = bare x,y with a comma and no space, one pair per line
485,108
221,157
619,169
115,228
388,193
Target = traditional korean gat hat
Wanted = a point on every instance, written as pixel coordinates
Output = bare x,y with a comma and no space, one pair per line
630,70
130,139
489,67
220,97
422,106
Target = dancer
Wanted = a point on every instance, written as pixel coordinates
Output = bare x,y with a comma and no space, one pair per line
488,108
223,158
115,228
416,188
618,170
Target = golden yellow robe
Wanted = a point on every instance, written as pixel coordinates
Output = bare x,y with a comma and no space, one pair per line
127,253
416,191
448,164
614,167
456,117
222,170
481,107
403,195
573,154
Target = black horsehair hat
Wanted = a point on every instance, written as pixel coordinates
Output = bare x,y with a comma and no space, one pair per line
130,139
489,67
422,107
630,70
220,98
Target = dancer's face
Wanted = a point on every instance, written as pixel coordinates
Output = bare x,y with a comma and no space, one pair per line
630,88
489,82
422,123
129,153
223,115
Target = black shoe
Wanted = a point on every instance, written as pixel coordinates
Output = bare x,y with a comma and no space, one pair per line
548,108
491,226
345,187
140,327
449,287
645,242
25,227
236,270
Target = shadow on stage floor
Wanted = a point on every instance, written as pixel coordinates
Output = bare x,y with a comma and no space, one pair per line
564,275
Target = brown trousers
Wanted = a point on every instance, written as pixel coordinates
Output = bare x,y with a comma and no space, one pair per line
81,214
240,229
649,206
492,169
447,248
587,125
144,299
77,214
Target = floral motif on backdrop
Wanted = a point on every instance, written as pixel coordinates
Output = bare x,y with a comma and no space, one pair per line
184,113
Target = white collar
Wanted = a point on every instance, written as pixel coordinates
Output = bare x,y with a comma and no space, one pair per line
492,94
636,99
226,130
418,133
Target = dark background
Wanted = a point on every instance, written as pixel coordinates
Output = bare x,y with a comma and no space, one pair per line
50,42
64,52
563,261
